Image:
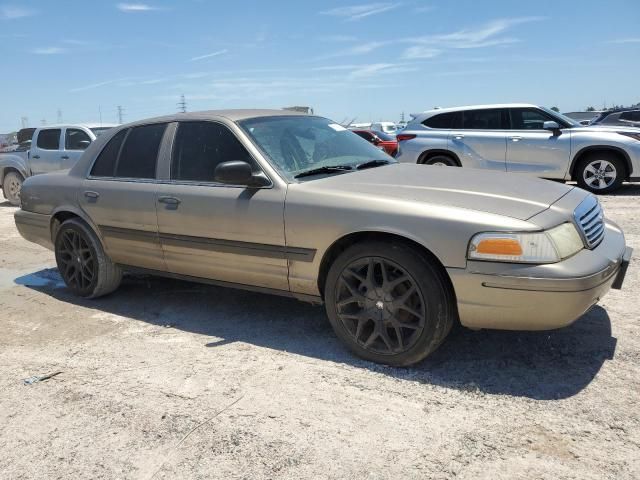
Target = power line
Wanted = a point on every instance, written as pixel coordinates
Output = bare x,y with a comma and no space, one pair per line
120,113
182,104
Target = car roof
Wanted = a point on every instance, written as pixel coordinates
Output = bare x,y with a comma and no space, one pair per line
435,111
233,115
72,125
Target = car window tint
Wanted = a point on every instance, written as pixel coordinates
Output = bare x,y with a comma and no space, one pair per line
442,120
140,152
105,165
200,147
527,119
366,135
49,139
76,139
490,119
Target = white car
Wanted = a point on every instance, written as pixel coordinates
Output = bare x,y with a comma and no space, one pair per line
525,139
384,127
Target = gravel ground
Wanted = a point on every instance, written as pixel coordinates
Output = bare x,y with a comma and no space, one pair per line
166,379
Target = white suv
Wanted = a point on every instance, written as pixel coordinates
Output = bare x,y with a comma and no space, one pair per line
523,138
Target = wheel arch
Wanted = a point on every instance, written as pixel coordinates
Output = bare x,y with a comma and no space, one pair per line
62,214
577,158
346,241
428,154
8,169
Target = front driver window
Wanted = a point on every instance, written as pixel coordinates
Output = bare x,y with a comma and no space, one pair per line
526,119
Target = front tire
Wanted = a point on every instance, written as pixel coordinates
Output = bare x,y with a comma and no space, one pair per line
388,303
83,264
11,187
600,172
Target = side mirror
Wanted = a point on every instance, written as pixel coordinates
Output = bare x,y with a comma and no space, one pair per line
238,172
551,125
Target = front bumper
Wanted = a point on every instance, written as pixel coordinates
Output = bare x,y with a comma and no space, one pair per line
540,297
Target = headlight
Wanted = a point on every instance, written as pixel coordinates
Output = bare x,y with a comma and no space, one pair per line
537,247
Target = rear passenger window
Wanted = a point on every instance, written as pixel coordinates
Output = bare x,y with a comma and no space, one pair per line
140,152
483,119
200,146
105,165
442,120
49,139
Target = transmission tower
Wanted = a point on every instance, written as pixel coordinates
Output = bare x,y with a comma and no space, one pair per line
120,114
182,104
25,121
59,116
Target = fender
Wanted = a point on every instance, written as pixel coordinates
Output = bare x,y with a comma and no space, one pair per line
590,148
75,210
15,162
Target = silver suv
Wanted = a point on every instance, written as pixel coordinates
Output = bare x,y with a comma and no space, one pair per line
523,138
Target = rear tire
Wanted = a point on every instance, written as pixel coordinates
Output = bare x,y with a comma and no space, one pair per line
601,172
11,187
441,161
83,264
388,303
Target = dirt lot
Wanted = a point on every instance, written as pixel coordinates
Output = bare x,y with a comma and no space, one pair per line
166,379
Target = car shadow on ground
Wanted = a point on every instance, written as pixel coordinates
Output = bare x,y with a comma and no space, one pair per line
538,365
6,204
627,190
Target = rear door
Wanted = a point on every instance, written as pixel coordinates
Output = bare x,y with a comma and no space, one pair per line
120,196
533,150
76,141
480,138
44,155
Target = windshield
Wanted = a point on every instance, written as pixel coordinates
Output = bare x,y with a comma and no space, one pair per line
100,130
297,144
562,118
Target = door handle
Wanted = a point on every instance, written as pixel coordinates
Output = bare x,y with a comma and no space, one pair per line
171,203
458,136
90,194
35,156
65,157
516,139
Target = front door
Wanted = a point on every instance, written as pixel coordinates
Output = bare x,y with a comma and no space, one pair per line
76,141
533,150
208,230
481,142
44,156
120,197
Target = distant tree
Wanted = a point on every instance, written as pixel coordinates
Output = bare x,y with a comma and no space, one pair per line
591,109
555,109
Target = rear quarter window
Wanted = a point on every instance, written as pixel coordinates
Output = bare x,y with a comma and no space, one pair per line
105,164
442,121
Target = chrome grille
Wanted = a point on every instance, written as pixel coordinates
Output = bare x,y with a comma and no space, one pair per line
590,220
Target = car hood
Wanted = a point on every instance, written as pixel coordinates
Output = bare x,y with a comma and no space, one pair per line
605,128
498,193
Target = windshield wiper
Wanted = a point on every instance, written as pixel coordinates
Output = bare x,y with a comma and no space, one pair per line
320,170
373,163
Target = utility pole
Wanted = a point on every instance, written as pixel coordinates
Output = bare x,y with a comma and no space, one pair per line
100,114
182,104
120,113
402,118
24,121
59,116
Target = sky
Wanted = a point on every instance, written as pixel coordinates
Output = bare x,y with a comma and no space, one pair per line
77,61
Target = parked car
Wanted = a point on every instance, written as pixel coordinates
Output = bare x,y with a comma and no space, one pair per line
51,148
389,128
523,138
386,142
627,117
295,205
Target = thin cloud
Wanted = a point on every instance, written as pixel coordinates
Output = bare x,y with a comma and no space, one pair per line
419,51
11,12
209,55
135,7
358,12
96,85
625,40
338,38
49,51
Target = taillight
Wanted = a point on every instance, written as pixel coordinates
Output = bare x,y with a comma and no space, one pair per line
405,136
